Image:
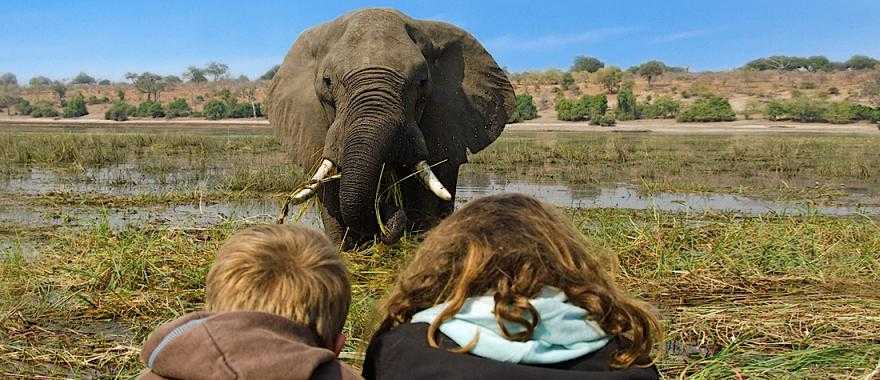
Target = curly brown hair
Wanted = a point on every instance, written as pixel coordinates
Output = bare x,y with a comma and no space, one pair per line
512,245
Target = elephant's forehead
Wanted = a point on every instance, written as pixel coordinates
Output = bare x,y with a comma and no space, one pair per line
377,40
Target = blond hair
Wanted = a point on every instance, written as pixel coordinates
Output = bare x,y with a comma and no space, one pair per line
291,271
511,246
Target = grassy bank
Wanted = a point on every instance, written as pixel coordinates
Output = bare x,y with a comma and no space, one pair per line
776,166
762,297
784,167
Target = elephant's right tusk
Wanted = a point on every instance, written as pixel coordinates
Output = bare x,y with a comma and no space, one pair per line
309,190
431,182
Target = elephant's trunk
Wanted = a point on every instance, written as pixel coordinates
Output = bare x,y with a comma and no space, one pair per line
373,115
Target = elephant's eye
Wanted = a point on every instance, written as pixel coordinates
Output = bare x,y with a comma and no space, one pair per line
423,83
327,82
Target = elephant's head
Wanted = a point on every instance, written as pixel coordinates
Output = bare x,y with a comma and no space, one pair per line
376,91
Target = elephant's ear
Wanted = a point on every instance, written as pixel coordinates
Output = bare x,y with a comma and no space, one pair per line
294,109
471,97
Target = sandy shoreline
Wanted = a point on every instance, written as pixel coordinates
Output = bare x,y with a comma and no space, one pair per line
538,125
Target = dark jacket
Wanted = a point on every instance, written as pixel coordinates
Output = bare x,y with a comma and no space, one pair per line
403,353
238,345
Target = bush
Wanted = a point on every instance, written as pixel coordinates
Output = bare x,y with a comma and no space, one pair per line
525,109
150,108
839,113
244,110
626,105
178,108
120,111
583,108
605,120
75,107
708,109
663,107
43,109
753,107
216,109
863,112
23,107
799,109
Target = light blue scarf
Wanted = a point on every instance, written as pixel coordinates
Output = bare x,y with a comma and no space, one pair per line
563,333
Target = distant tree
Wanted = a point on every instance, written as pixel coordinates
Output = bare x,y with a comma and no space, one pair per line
610,77
651,69
217,70
104,82
150,84
60,90
39,81
172,80
242,78
75,107
270,73
250,93
194,75
588,64
861,62
817,63
8,79
83,78
131,77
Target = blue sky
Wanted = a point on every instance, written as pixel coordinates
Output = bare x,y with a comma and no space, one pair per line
108,38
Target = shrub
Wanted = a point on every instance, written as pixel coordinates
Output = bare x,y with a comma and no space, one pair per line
863,112
583,108
708,109
120,111
525,109
839,113
75,107
43,109
23,107
244,110
626,105
178,108
663,107
605,119
216,109
150,108
806,110
588,64
833,91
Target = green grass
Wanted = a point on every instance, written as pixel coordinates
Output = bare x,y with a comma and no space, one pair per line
770,165
777,297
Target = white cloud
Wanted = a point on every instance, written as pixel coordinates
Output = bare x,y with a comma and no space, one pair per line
553,41
672,37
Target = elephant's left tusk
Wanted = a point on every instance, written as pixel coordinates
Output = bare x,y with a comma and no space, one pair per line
431,182
309,190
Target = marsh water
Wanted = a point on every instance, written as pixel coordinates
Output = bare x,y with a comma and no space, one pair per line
133,180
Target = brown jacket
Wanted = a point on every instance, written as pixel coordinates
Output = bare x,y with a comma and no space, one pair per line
238,345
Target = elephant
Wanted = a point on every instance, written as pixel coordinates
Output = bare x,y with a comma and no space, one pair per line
392,105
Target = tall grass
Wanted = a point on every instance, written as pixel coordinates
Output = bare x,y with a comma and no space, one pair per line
759,297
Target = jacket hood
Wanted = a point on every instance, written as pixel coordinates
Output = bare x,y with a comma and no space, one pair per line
563,333
238,345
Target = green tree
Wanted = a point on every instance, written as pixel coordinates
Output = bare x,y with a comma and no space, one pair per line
194,75
60,90
708,109
610,77
217,70
861,62
39,81
104,82
178,108
120,111
172,80
75,107
150,84
567,81
83,78
150,108
588,64
651,69
8,79
270,73
216,109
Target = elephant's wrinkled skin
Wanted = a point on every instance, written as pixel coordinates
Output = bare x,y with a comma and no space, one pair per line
375,92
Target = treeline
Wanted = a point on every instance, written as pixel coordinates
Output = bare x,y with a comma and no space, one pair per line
812,64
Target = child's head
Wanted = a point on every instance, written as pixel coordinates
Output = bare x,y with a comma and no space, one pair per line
511,246
291,271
